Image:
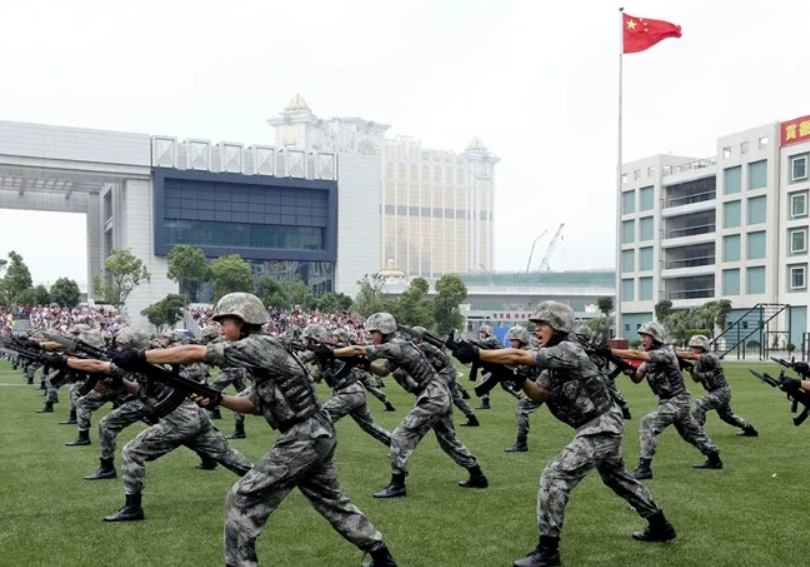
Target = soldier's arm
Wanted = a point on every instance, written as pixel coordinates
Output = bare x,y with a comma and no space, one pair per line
534,391
186,354
381,369
631,354
507,356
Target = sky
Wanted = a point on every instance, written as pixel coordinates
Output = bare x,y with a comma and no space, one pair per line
536,81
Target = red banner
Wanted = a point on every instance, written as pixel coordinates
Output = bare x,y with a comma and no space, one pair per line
794,131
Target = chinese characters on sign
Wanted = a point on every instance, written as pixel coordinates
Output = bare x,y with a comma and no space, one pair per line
795,131
509,316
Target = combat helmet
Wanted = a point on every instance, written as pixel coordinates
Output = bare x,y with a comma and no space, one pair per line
343,336
485,330
518,333
584,333
382,322
244,306
316,333
558,316
655,330
93,338
128,337
701,341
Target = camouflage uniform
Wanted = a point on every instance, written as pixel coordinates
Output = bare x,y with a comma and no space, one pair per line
709,373
238,377
447,371
664,376
433,409
372,387
489,342
303,455
585,336
526,406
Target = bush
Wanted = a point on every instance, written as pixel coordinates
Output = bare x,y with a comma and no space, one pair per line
791,347
752,345
692,332
634,343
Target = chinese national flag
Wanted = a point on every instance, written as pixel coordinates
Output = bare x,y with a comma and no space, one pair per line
641,34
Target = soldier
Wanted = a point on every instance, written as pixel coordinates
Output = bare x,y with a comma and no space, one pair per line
303,455
518,338
433,409
571,387
348,394
585,336
709,373
486,340
663,373
75,379
370,381
445,368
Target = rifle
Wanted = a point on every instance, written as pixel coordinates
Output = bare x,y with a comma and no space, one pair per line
800,397
792,365
81,349
619,363
498,373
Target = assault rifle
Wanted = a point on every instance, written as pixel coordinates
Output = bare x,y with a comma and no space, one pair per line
620,363
498,373
800,397
792,365
81,349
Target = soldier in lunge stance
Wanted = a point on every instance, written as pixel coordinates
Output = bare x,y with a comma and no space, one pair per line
370,381
434,402
663,373
303,454
709,373
571,386
518,338
585,336
486,341
444,366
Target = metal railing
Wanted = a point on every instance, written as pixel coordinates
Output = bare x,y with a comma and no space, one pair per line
691,166
690,231
690,262
690,294
690,199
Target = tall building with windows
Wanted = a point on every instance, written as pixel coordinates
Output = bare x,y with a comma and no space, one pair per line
432,211
733,226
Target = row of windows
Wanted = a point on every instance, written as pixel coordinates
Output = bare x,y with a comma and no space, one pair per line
435,213
646,200
757,210
645,230
755,280
280,237
645,289
762,143
757,177
645,260
798,168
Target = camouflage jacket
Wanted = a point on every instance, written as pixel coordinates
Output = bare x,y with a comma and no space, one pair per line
709,372
407,363
440,362
663,373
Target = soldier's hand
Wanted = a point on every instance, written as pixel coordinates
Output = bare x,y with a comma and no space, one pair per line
323,352
790,385
629,372
802,368
56,362
603,350
200,401
130,359
466,353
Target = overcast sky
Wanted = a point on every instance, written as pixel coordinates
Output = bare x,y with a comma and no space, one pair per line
536,81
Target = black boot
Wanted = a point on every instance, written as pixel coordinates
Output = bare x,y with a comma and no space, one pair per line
484,404
472,421
712,462
131,511
389,407
748,432
380,558
82,439
520,446
395,488
658,529
238,432
207,463
70,420
107,470
476,480
215,414
546,554
626,413
465,395
48,408
644,470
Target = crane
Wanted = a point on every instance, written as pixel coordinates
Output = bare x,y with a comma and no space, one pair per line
544,263
531,252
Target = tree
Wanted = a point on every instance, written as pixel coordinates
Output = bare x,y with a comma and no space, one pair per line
450,293
65,292
123,272
663,309
17,278
33,296
605,305
187,266
166,312
272,293
724,308
370,297
411,308
600,327
230,274
42,295
334,302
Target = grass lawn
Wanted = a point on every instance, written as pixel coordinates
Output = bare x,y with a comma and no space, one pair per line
748,514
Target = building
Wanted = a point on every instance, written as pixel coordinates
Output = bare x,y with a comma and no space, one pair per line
733,226
432,209
281,209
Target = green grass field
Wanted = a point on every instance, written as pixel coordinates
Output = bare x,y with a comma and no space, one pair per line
740,516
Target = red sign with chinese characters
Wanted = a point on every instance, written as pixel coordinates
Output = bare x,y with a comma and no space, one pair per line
794,131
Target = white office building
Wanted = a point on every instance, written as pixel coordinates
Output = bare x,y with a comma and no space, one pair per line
733,226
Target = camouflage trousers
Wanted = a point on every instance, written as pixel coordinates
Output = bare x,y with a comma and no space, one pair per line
226,379
523,409
675,411
86,405
616,394
51,391
458,398
351,401
73,395
433,410
116,421
30,372
187,425
720,400
603,452
303,457
372,386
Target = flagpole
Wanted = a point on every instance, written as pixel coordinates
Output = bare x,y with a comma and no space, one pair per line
618,318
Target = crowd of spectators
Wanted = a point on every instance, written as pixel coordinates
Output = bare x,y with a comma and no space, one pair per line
59,319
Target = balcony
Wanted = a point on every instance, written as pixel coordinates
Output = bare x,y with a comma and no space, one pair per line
698,287
691,199
689,167
690,263
707,293
690,231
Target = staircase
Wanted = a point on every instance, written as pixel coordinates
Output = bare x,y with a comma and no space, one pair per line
762,324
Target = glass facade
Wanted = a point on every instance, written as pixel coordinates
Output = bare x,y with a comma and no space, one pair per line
243,235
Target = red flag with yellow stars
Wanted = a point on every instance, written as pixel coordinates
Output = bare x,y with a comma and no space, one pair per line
641,34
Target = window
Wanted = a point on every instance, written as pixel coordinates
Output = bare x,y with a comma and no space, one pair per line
744,148
645,259
763,143
758,175
757,209
645,229
627,290
798,240
755,280
628,202
637,174
732,180
628,261
624,178
647,198
731,248
798,205
645,289
727,152
651,171
797,277
798,168
731,282
756,245
628,231
732,214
